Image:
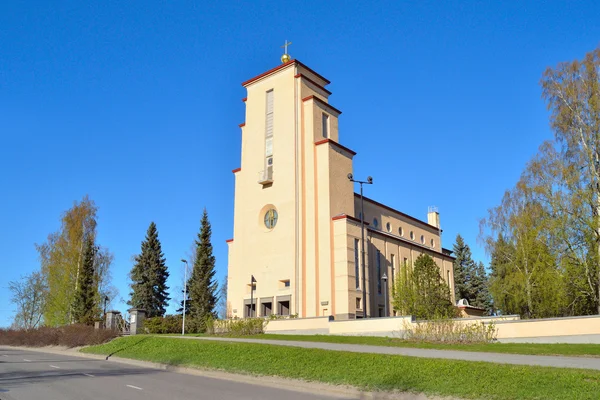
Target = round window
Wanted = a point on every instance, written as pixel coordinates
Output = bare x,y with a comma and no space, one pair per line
388,226
375,223
412,235
271,218
400,231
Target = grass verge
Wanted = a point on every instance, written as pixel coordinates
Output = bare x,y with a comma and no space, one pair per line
472,380
554,349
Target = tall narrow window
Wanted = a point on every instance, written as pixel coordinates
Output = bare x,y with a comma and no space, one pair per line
393,273
378,272
325,125
356,269
269,132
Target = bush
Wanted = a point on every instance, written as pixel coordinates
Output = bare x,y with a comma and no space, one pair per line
166,324
68,336
450,331
236,327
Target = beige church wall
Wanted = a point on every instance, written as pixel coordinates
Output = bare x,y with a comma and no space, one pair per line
309,88
256,250
317,123
397,221
309,73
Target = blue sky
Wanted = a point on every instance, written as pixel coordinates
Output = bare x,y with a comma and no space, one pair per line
138,104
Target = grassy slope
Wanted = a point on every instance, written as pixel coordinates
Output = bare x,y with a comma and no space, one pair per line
368,371
586,350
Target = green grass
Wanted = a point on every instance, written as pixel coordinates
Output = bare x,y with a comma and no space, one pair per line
464,379
564,349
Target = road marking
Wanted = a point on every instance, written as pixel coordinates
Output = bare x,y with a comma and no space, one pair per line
134,387
26,360
4,355
54,366
90,375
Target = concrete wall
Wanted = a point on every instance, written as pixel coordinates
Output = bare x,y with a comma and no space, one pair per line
511,328
392,326
585,329
299,326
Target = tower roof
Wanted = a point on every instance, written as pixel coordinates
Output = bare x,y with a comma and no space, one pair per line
283,66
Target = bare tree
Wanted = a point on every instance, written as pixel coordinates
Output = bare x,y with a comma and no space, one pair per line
29,295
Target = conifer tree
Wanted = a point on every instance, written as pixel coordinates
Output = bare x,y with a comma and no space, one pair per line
463,269
480,288
85,308
149,277
202,285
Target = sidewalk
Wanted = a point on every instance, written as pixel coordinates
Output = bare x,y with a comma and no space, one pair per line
519,359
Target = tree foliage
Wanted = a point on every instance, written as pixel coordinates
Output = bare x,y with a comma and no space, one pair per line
29,296
149,277
544,237
61,258
422,292
202,285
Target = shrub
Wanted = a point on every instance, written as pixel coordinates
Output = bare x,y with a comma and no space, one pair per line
450,331
236,327
166,324
68,336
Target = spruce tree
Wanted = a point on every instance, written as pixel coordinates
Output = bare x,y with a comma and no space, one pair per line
463,270
85,309
149,277
202,285
480,288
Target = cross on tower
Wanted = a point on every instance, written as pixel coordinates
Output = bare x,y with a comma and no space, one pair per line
285,46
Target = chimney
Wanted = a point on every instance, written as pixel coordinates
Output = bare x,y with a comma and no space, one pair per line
433,217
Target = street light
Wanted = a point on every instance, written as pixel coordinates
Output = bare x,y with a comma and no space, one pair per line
385,294
369,181
184,293
105,300
252,282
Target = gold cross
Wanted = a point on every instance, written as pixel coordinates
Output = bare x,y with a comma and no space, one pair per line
286,44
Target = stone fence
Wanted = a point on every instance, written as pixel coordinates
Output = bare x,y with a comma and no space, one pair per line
510,328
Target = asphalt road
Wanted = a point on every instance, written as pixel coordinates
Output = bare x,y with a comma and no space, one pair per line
32,375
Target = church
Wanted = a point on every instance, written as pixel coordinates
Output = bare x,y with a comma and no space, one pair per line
297,246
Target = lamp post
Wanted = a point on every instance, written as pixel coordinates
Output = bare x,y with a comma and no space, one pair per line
369,181
105,300
252,282
185,267
385,294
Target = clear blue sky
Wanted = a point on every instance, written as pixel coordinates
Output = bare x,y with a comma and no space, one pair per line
138,104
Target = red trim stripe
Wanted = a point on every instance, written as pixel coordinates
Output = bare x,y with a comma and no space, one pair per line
236,170
327,105
336,144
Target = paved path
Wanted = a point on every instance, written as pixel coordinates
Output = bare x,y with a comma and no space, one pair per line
34,375
546,361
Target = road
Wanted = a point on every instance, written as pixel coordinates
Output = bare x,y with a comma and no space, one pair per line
33,375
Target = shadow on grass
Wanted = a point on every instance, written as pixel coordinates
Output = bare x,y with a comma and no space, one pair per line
127,347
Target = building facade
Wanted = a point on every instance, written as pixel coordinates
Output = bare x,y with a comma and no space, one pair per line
297,228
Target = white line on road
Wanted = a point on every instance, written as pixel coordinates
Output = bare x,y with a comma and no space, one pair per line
90,375
26,360
54,366
4,355
134,387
